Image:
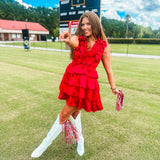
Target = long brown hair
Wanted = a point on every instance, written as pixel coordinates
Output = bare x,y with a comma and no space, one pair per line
96,26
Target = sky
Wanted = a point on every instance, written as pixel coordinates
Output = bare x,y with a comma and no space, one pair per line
142,12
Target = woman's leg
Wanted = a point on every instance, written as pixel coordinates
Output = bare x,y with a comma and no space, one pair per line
75,114
66,112
54,131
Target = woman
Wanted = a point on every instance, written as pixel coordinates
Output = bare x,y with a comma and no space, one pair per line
79,86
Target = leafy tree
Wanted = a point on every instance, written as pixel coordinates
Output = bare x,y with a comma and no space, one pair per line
158,35
127,22
56,32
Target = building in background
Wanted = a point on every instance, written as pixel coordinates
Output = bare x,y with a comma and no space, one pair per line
12,30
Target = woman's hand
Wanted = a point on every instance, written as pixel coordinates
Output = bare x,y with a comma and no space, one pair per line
71,41
66,35
115,91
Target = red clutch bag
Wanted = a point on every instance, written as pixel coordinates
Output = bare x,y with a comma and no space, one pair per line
120,99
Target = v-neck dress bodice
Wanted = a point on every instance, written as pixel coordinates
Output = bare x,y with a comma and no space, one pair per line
79,85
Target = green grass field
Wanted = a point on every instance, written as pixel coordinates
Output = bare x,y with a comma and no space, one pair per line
42,44
144,49
29,84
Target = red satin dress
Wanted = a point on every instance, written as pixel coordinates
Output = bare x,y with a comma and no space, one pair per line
79,85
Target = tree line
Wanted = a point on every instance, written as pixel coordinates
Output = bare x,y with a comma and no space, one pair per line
120,29
49,18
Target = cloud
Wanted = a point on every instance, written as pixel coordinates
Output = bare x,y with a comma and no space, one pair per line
111,14
142,19
142,12
24,4
56,5
151,5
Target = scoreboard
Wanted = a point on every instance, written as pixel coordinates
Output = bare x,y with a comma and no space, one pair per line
71,10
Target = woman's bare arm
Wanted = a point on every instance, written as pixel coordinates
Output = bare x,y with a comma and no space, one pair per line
106,60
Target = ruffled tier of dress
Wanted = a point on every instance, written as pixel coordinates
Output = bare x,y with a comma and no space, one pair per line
81,91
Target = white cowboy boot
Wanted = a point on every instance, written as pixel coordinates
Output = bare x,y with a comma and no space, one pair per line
77,123
52,134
